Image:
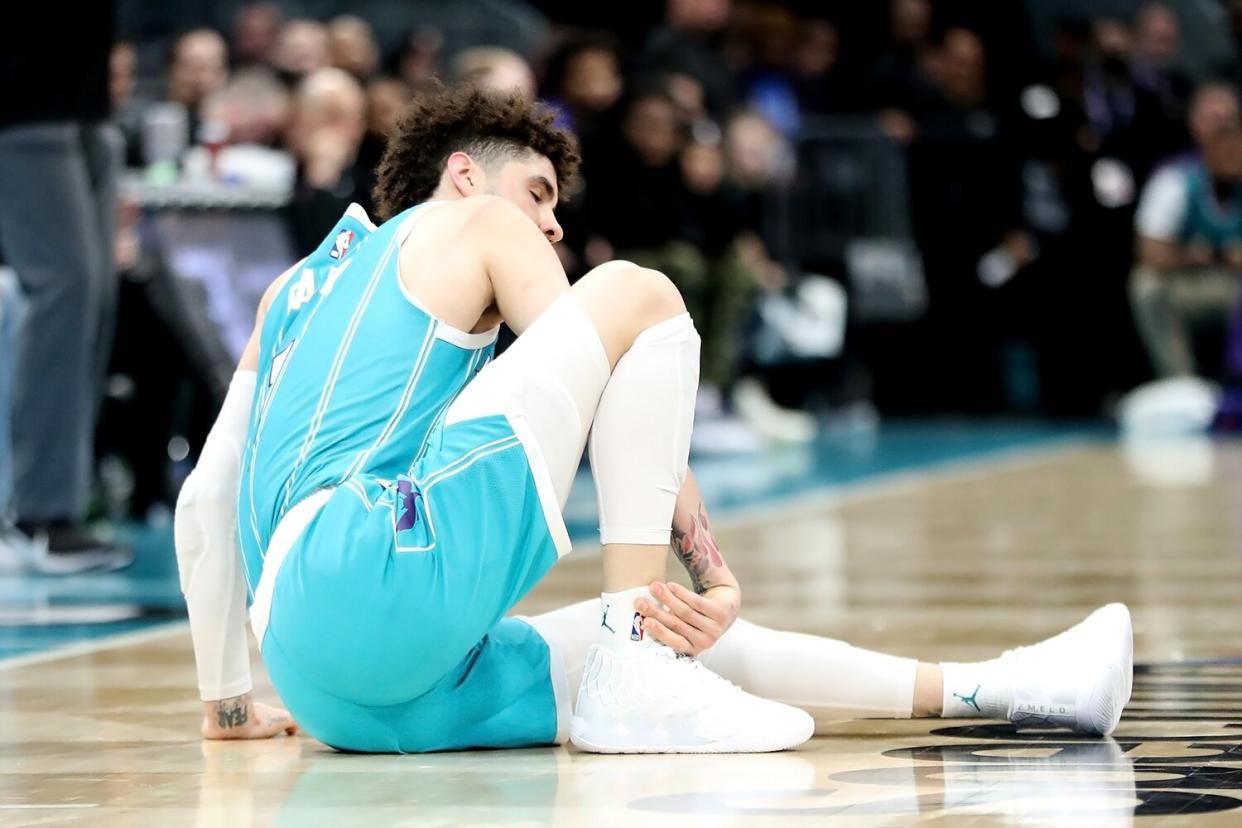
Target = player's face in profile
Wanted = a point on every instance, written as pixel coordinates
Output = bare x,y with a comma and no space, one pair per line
530,183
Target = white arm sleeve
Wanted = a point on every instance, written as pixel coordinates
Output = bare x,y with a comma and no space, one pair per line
1162,208
208,555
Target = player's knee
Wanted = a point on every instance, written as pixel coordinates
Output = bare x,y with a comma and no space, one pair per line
630,298
663,296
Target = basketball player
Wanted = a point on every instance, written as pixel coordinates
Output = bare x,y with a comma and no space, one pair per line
395,491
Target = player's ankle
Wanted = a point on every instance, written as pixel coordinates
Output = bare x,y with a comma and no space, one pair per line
620,622
981,690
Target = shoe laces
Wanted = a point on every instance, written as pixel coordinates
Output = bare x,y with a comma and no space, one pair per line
696,668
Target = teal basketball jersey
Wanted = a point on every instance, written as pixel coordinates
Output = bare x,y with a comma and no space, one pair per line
353,375
1209,221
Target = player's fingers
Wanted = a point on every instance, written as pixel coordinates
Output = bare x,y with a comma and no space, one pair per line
698,629
678,607
665,617
664,635
695,601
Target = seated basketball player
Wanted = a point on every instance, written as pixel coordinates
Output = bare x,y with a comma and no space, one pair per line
395,491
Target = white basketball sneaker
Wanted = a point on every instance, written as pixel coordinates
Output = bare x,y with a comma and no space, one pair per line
1080,678
646,698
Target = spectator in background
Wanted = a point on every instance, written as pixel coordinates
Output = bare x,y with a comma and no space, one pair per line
325,134
1189,254
756,158
248,119
121,65
772,34
1124,120
714,223
966,202
255,30
689,42
583,80
1232,70
254,108
1154,67
386,100
495,69
634,173
897,71
418,60
301,48
818,80
352,45
1214,106
198,66
672,176
126,109
59,162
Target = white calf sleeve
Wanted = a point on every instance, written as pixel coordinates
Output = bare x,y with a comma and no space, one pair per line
208,556
641,436
829,679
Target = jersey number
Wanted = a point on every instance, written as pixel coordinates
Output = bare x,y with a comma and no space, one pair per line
303,289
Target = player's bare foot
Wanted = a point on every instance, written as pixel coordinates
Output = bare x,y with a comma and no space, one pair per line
243,718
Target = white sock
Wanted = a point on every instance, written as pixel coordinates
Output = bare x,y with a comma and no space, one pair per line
981,690
620,623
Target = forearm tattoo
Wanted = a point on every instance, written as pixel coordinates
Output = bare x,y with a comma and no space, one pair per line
233,712
695,547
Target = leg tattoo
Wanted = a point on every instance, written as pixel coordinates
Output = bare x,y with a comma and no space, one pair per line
233,712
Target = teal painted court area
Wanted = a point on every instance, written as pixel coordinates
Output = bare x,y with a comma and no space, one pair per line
38,613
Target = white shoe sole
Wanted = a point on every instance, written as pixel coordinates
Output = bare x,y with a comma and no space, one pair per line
737,744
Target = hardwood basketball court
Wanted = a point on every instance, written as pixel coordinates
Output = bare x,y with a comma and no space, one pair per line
952,563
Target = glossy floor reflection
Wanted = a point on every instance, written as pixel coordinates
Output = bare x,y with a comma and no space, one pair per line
953,564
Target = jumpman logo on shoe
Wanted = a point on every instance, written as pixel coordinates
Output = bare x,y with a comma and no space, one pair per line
971,698
603,622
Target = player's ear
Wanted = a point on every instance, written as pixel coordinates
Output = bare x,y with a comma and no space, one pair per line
466,175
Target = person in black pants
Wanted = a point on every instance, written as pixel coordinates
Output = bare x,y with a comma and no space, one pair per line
59,158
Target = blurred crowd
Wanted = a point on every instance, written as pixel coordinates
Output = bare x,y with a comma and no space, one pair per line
1026,148
1066,174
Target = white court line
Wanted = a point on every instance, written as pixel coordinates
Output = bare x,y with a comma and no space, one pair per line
48,807
881,485
165,629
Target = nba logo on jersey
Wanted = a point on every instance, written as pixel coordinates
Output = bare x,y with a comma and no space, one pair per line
636,629
341,246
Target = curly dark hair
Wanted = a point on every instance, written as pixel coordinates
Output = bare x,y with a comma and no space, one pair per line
442,120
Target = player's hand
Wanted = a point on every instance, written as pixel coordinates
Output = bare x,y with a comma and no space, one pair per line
692,623
243,718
